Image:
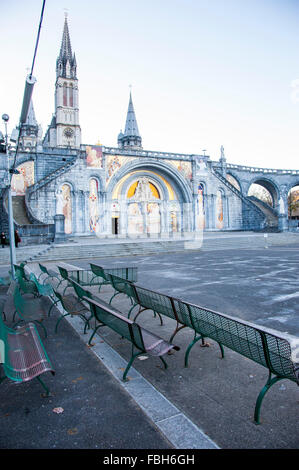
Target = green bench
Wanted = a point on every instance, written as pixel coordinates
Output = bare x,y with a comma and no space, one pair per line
26,285
50,274
127,273
28,310
71,304
271,350
22,354
96,276
142,340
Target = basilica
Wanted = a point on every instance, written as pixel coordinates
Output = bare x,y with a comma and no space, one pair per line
64,186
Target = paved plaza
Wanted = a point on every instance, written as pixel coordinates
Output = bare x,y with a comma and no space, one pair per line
257,285
211,403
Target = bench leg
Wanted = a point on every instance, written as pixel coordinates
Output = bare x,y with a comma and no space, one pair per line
94,332
164,362
270,382
177,329
114,295
44,386
195,339
155,313
133,357
131,309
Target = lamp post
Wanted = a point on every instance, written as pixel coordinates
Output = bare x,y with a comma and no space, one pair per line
5,118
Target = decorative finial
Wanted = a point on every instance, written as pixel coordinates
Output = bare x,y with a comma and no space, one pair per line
66,12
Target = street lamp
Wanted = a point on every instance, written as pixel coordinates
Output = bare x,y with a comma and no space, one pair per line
5,118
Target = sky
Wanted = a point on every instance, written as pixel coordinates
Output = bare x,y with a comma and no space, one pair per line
204,73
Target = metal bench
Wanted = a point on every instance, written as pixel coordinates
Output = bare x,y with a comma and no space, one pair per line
141,339
25,284
128,273
273,351
73,306
45,290
6,300
123,286
50,273
22,354
268,349
28,310
20,270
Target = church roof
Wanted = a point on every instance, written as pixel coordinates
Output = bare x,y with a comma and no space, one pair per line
131,128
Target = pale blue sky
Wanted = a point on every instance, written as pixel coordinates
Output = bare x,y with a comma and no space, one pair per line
204,73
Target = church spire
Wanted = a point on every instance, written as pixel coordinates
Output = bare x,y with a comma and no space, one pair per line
66,62
131,137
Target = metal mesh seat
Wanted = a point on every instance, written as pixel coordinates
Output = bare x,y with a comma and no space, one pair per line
73,306
25,357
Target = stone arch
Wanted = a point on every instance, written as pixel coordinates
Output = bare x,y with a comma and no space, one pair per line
25,178
271,187
238,184
172,175
155,212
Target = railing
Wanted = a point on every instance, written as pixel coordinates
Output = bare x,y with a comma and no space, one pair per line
231,166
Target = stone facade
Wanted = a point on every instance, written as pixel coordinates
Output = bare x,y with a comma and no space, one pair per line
127,191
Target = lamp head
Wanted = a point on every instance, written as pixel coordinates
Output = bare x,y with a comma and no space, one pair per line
5,117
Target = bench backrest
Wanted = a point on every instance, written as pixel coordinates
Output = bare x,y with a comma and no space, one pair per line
63,272
43,268
122,285
80,291
128,273
43,289
262,347
105,314
156,301
98,271
19,301
28,287
19,271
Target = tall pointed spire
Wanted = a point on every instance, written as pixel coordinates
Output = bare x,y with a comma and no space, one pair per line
66,62
131,128
66,48
130,137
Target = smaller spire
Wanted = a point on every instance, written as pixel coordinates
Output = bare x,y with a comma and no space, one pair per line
131,128
31,119
131,137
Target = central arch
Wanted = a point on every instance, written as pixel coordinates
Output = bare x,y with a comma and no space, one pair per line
152,199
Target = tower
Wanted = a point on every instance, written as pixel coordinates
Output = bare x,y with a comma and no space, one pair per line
64,130
30,132
131,137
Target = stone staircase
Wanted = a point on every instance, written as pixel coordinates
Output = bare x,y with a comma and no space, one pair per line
118,249
19,210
